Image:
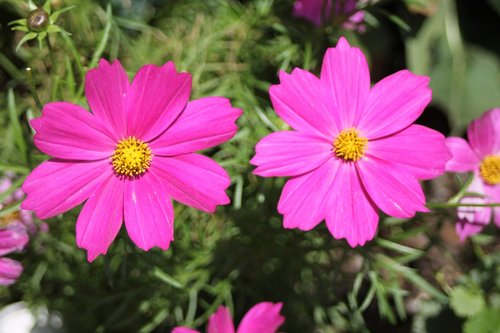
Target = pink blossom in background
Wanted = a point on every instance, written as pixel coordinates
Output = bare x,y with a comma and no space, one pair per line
481,156
130,156
320,11
13,233
261,318
352,149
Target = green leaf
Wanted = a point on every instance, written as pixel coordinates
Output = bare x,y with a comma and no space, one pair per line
27,37
466,302
486,321
55,15
22,21
16,126
161,275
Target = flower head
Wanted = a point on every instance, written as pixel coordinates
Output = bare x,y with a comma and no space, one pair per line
320,11
130,156
352,149
39,23
261,318
481,156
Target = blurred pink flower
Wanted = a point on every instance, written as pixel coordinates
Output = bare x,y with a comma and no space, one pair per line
352,149
261,318
13,233
481,155
130,156
320,11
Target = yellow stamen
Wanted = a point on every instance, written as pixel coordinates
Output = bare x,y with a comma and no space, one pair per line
349,145
132,157
490,169
6,220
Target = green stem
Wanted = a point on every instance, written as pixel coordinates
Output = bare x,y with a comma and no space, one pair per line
438,205
51,55
34,94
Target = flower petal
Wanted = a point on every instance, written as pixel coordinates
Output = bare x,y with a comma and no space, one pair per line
106,88
418,149
149,214
301,101
463,157
393,189
290,153
262,318
312,10
157,97
303,199
184,330
346,73
220,321
68,131
56,186
14,238
395,103
10,270
101,218
471,220
351,214
194,180
484,133
203,124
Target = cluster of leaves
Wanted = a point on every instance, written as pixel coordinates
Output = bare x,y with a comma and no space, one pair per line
241,255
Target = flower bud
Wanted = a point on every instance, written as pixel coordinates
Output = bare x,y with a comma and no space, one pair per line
38,20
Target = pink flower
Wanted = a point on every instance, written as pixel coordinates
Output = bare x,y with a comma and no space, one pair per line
481,155
320,11
261,318
12,239
352,149
130,156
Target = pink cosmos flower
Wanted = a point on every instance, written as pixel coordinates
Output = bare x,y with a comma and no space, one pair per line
130,156
481,155
261,318
319,12
352,149
12,239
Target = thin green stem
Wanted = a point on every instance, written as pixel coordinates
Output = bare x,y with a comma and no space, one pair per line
439,205
34,94
51,55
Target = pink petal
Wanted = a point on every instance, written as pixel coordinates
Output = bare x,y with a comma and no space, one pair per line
471,220
301,100
484,133
101,218
68,131
10,270
393,189
262,318
496,211
106,89
56,186
203,124
13,239
350,214
194,180
420,150
313,10
303,199
157,97
346,73
184,330
220,321
463,158
394,104
290,153
149,214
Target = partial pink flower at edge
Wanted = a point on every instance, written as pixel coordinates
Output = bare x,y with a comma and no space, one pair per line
352,149
263,317
481,156
320,11
129,157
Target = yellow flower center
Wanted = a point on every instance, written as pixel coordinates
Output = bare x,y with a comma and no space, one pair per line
132,157
490,169
349,145
6,220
